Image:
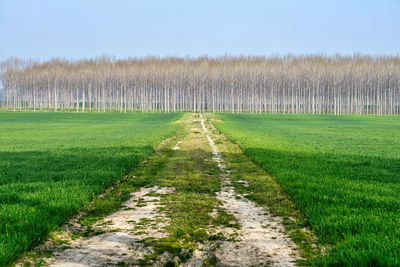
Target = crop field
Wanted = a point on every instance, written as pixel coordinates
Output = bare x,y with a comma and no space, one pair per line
337,176
51,164
343,172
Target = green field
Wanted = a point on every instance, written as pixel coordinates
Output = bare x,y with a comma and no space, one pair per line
51,164
342,171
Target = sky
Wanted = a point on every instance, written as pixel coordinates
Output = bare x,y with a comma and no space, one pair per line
74,29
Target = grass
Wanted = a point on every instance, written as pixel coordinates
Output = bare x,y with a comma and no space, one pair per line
343,172
52,164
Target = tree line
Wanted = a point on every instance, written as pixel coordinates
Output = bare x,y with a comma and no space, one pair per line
357,84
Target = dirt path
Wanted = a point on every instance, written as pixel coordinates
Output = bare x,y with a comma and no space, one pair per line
190,213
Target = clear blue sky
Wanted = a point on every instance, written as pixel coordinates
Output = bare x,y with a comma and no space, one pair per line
73,29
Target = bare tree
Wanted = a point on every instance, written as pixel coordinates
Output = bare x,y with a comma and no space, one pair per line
290,84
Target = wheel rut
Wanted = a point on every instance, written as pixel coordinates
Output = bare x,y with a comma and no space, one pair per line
260,240
123,230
